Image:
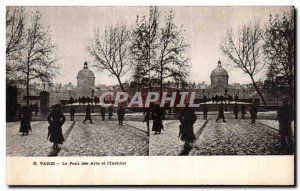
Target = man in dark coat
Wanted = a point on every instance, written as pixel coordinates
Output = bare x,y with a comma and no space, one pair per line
72,113
121,113
88,115
236,110
25,117
102,111
56,120
110,112
221,113
157,117
187,119
236,98
243,111
284,117
221,98
253,113
205,98
230,98
217,98
205,110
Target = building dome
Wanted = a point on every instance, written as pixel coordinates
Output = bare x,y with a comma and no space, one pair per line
219,76
85,81
219,71
85,72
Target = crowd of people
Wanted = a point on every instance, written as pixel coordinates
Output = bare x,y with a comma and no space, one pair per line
221,98
187,118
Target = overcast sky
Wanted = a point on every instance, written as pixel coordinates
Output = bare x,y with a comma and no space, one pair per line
206,27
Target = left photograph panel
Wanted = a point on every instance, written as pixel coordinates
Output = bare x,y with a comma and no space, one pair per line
54,83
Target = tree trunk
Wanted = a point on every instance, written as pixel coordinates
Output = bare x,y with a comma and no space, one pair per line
121,84
258,91
27,87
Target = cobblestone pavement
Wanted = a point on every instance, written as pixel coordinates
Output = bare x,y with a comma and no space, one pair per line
237,137
167,143
274,124
137,124
34,144
105,138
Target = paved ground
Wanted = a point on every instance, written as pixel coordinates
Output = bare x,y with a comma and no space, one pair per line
167,143
237,137
35,144
274,124
105,138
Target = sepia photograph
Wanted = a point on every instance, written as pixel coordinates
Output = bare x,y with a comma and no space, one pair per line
108,81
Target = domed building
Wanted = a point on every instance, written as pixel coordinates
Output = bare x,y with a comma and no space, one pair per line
219,82
219,76
85,81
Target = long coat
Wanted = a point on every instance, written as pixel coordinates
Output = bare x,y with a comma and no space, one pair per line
157,117
56,120
187,119
284,118
253,112
110,111
25,117
243,109
88,113
236,109
121,113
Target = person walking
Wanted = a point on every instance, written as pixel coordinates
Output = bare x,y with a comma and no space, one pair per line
236,98
236,110
147,119
284,117
88,115
25,117
187,119
221,98
243,111
102,111
56,120
121,113
72,113
253,113
110,112
205,110
221,113
217,98
157,120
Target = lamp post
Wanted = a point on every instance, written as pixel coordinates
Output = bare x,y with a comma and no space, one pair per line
92,100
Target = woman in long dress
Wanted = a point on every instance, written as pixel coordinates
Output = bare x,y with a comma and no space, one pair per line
56,120
157,117
25,117
187,119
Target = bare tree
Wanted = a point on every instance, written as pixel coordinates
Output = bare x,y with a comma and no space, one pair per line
15,41
280,50
246,52
111,51
144,42
38,57
160,53
172,60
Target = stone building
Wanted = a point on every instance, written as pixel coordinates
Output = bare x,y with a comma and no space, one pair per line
219,83
85,81
59,93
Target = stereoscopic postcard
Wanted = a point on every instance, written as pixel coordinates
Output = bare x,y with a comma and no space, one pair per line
150,95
